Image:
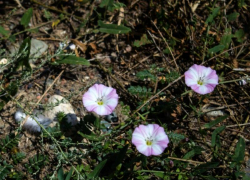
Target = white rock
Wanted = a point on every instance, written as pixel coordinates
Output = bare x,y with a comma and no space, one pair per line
3,61
37,48
31,125
60,104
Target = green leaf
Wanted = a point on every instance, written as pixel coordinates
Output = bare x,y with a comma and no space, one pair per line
60,174
23,59
108,3
92,137
226,38
97,170
216,49
239,151
162,175
240,34
111,5
209,177
194,151
145,74
26,17
47,14
112,28
71,59
143,41
214,13
241,3
215,122
215,133
69,174
233,16
205,167
2,104
4,32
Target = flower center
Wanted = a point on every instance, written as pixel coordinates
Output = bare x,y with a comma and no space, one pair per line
100,102
200,81
149,142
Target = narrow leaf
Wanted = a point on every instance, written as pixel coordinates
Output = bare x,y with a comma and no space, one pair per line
69,174
194,151
24,51
233,16
239,150
26,17
3,31
71,59
106,3
226,38
60,174
113,28
214,13
216,49
162,175
240,34
205,167
215,133
215,122
97,170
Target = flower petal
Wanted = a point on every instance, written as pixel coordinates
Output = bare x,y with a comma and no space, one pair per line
102,110
157,149
144,149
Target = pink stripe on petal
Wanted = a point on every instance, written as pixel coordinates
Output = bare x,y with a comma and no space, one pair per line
190,82
94,91
143,130
191,74
112,94
144,149
157,149
99,110
107,91
112,103
138,142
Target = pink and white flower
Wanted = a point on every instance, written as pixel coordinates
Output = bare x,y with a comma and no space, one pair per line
100,99
201,79
150,140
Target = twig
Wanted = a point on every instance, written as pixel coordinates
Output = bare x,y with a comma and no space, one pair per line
224,107
54,9
237,125
158,47
118,82
19,4
186,160
165,43
38,26
225,52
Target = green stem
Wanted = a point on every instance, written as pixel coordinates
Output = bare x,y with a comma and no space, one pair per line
235,80
186,92
152,171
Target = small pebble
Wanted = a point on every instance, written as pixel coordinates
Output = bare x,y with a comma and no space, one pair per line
30,85
3,61
58,92
72,47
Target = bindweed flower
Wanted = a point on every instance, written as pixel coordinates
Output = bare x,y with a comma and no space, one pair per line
100,99
150,140
201,79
